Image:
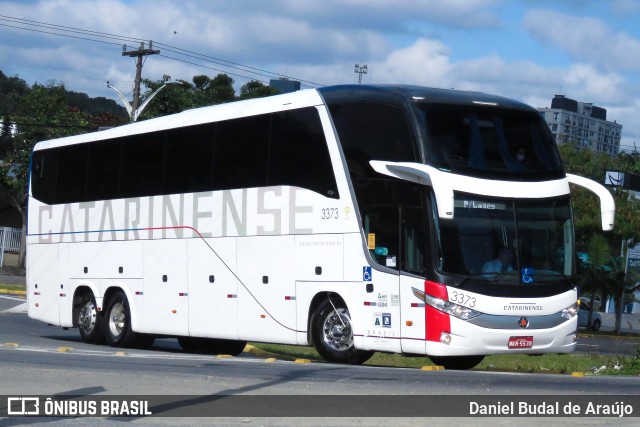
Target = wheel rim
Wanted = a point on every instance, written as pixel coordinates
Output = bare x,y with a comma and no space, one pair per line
87,318
117,319
337,330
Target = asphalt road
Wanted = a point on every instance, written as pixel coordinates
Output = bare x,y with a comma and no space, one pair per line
45,360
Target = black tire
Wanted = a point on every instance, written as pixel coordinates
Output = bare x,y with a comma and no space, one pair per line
596,325
144,340
457,363
333,337
189,344
231,347
211,345
90,321
117,328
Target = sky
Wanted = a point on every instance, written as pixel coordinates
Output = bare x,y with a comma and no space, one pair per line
529,50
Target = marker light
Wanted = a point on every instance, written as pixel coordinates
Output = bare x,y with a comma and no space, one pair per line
445,338
447,307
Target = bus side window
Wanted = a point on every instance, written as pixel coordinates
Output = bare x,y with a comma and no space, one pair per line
43,177
103,170
241,153
298,154
72,171
141,166
188,159
381,228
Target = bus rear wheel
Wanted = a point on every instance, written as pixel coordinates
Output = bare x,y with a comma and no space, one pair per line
118,332
458,363
90,321
333,336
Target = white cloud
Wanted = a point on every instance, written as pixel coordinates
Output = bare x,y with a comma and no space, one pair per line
426,62
585,39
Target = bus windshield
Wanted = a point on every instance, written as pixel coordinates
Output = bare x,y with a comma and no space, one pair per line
489,142
515,242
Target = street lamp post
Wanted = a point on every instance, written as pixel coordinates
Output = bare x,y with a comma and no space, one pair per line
135,114
360,70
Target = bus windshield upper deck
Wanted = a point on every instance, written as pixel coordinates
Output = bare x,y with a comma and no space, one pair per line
489,142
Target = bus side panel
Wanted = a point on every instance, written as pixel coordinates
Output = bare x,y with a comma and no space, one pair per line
43,283
412,318
266,294
381,313
165,309
110,259
319,257
213,289
354,260
65,289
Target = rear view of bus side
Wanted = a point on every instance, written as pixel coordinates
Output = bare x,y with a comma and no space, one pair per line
351,218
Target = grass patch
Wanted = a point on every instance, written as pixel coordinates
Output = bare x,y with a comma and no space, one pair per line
13,287
547,363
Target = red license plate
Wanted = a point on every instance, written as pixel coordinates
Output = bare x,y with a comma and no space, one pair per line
520,342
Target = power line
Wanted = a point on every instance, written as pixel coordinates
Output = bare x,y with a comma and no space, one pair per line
68,29
58,34
78,33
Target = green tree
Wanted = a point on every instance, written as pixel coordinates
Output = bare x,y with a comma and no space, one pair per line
174,98
44,114
594,273
607,273
209,91
204,91
256,89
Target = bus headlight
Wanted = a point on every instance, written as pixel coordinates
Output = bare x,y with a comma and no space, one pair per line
456,310
570,312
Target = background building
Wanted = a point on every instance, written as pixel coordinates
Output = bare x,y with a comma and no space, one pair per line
285,85
583,123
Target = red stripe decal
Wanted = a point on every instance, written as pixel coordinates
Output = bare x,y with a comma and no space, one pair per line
436,321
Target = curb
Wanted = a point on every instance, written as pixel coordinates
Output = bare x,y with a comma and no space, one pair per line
12,292
262,353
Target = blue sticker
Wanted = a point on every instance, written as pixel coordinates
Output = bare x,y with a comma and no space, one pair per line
386,320
527,275
367,274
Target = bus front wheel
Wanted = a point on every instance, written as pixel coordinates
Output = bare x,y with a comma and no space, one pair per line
459,363
118,332
333,336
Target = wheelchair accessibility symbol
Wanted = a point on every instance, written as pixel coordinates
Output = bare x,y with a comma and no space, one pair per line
527,276
367,274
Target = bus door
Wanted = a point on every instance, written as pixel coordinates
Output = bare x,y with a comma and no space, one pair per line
382,308
412,271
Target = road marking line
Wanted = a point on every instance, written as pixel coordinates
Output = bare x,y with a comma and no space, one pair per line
12,298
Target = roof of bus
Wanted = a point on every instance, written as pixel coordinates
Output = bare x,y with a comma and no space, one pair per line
408,93
305,98
195,116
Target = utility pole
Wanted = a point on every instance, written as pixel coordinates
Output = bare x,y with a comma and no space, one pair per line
139,54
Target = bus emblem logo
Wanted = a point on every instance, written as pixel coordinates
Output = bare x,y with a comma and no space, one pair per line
523,322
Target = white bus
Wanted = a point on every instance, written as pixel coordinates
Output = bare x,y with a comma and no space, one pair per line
351,218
